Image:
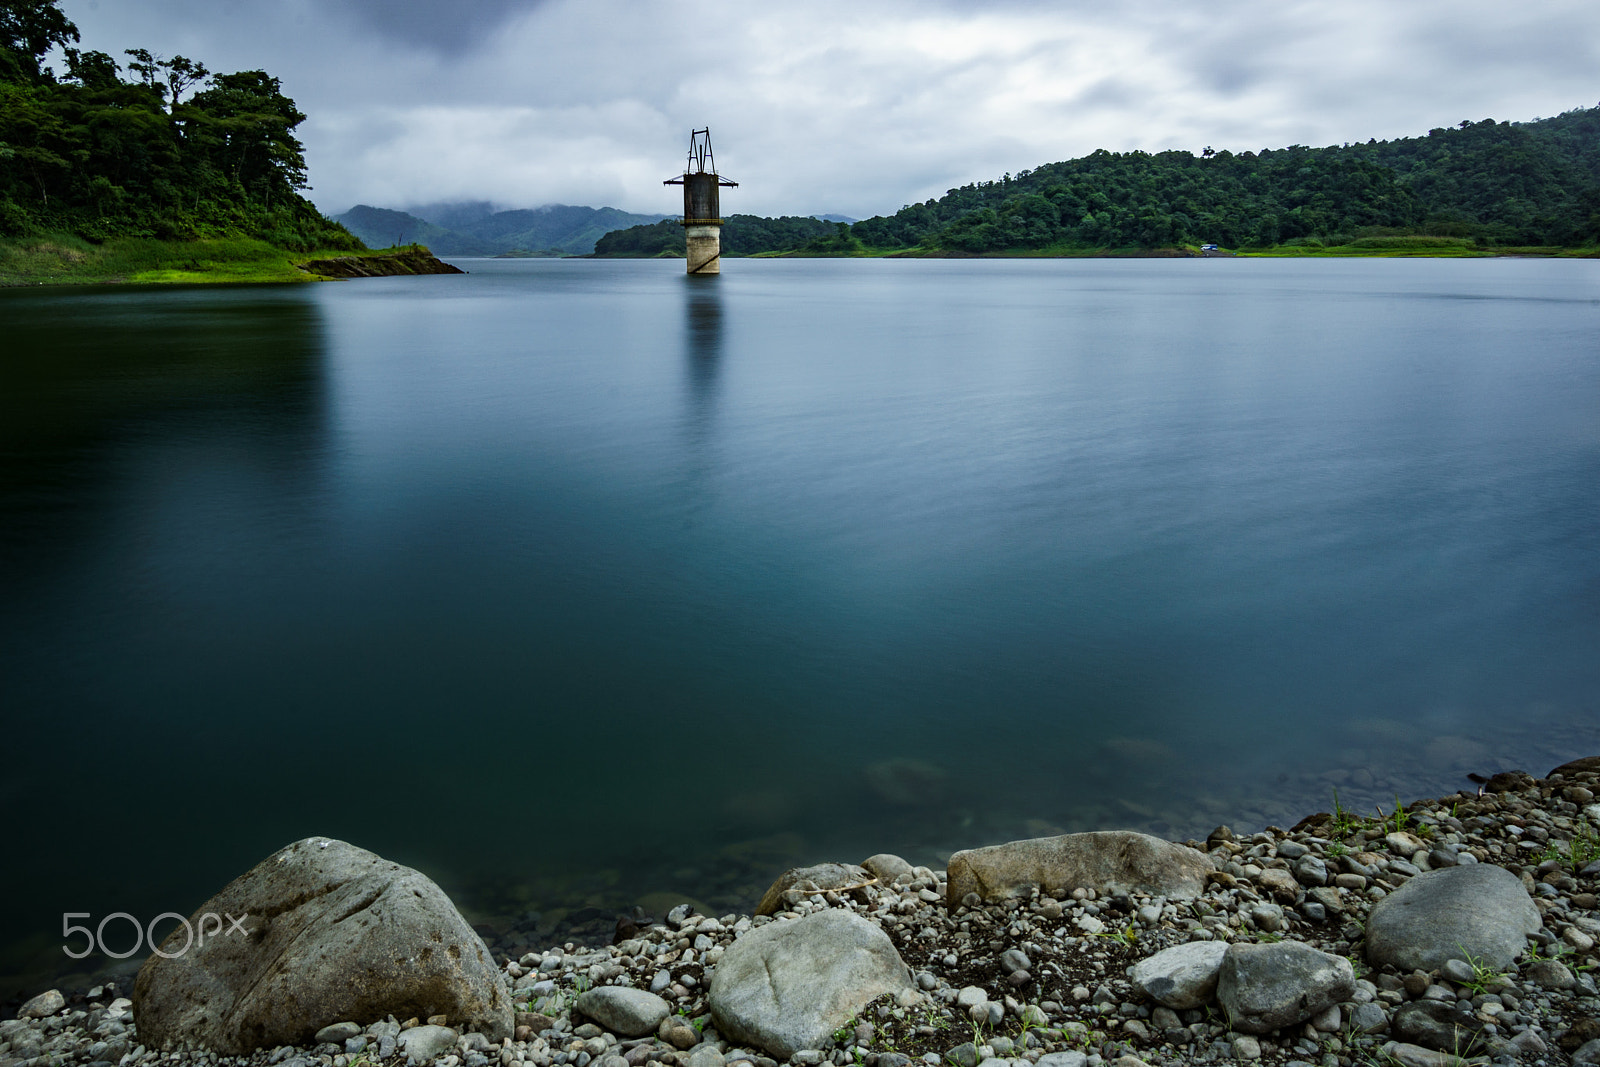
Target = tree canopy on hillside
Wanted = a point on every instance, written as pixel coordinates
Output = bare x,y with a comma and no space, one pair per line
1504,183
742,235
89,152
1495,183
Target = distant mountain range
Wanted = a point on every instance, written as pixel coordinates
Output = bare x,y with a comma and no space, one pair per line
475,228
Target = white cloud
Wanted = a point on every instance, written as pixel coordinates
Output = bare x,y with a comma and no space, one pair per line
511,155
857,106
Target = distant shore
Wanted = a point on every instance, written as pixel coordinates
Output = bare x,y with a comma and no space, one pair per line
1461,250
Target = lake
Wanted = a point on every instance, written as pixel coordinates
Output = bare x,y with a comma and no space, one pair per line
577,584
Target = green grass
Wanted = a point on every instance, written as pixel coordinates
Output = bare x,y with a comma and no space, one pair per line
1484,977
1128,936
1403,245
1054,251
60,259
1379,247
1345,822
1397,821
1576,854
1411,242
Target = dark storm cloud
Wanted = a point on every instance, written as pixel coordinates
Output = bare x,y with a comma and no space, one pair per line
448,28
1227,76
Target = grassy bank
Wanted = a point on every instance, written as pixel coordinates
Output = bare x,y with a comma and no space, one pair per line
1364,248
1060,251
1416,245
61,259
1359,248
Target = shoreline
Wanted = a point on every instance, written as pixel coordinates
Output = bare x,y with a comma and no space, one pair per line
1398,250
515,911
49,262
1291,253
61,262
1080,944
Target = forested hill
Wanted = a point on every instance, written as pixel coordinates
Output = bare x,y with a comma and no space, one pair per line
1495,183
742,235
155,147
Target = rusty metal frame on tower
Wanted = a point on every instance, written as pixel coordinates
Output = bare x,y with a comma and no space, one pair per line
701,161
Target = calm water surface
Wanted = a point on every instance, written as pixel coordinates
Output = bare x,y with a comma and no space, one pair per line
569,582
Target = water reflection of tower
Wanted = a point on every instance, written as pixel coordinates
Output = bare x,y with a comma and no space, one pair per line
702,212
702,352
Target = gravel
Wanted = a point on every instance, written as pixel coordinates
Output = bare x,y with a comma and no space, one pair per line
1042,978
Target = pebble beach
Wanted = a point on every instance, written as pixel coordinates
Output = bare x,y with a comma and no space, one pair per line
1052,975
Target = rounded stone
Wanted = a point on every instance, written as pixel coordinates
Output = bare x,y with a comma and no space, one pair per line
1436,1024
623,1009
1550,974
810,883
1369,1018
1181,977
1105,860
789,985
326,932
887,868
1478,910
1267,987
45,1004
338,1033
423,1043
1014,959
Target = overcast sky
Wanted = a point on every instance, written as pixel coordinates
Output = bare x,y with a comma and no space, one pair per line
849,106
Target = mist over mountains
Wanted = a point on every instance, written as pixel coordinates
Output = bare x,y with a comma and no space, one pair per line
475,228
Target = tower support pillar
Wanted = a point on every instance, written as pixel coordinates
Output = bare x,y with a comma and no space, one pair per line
704,245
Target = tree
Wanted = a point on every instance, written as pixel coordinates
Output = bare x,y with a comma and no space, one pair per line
245,125
92,70
28,30
178,73
159,155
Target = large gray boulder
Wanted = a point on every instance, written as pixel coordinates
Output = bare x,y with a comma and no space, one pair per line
1267,987
789,985
1479,910
1181,977
1105,860
332,932
1578,766
809,881
623,1009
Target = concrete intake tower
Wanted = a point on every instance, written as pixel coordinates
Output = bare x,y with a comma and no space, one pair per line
702,214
